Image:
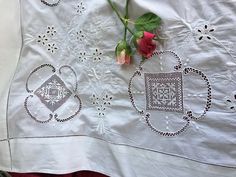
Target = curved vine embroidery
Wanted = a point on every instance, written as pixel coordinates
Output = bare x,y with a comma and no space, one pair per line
51,3
164,92
53,93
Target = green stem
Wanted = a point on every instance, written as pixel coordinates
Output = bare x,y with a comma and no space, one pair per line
121,19
126,17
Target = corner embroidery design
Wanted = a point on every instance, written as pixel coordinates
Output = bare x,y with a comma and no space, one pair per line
53,94
164,92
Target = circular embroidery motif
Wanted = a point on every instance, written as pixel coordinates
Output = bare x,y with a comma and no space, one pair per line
53,94
164,93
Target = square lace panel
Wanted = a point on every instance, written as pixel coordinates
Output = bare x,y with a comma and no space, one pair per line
164,91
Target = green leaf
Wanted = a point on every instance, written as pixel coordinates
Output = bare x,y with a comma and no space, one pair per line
147,22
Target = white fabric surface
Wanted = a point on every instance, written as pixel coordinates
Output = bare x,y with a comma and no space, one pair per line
122,147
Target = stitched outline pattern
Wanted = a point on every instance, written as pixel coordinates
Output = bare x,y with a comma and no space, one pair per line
50,4
189,114
51,115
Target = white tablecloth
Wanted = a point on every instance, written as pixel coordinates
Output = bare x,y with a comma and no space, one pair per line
201,33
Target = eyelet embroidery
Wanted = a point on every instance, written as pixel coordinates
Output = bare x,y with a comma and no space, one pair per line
42,39
82,57
97,55
231,102
205,32
51,30
101,103
80,35
51,4
52,47
164,80
53,93
80,8
46,39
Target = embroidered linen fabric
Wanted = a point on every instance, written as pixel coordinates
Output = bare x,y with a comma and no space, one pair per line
67,93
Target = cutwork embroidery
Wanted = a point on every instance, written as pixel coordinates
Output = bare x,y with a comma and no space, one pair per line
51,30
52,47
164,92
53,93
51,3
80,8
80,35
97,55
46,39
231,102
42,39
205,32
101,103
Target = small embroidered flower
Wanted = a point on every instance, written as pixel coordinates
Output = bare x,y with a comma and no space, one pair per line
101,110
101,103
80,8
205,33
80,35
82,56
51,30
42,39
231,102
52,47
97,56
95,100
107,100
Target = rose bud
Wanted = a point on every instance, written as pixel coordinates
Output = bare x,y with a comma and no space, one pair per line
123,53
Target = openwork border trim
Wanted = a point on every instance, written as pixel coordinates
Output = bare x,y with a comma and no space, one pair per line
50,4
209,96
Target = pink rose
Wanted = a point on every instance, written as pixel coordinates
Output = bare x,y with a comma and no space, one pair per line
146,44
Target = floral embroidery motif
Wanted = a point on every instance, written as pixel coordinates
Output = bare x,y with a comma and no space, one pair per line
97,55
80,35
82,56
51,30
101,103
205,33
52,47
80,8
231,102
164,91
42,39
46,39
53,93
